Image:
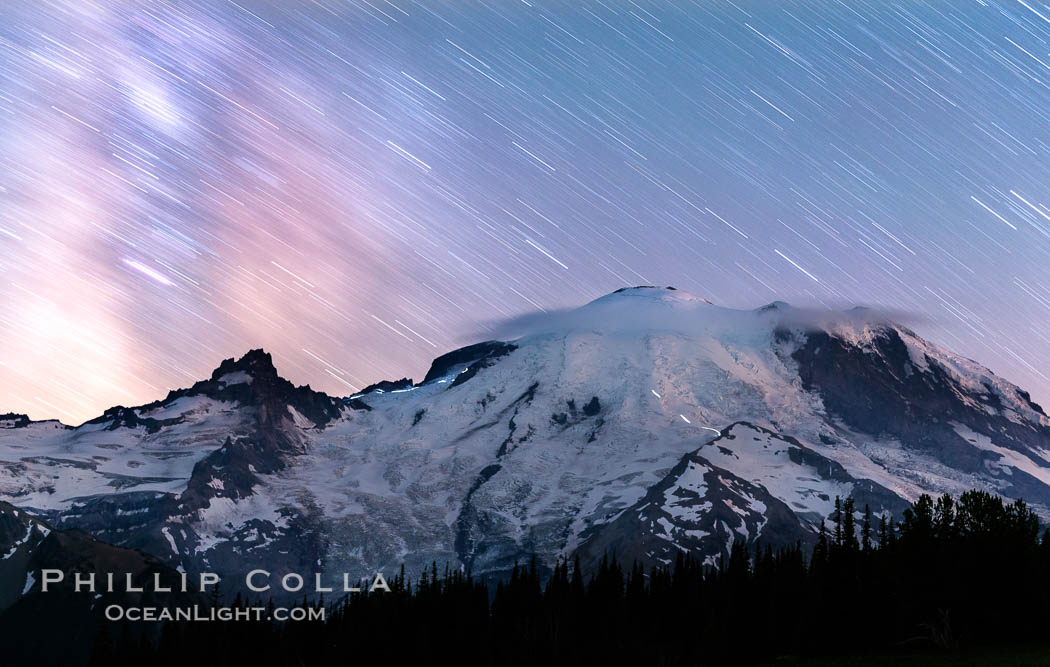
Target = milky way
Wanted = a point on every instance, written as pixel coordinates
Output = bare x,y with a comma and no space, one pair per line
359,187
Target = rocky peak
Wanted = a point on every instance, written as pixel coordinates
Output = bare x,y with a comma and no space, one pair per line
14,420
256,363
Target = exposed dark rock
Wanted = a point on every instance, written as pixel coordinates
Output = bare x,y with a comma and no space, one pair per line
13,420
529,394
624,289
469,523
264,388
464,359
122,417
879,390
593,435
503,448
387,385
593,407
638,533
650,533
57,627
358,404
566,419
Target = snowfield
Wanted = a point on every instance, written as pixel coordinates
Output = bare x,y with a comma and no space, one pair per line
648,413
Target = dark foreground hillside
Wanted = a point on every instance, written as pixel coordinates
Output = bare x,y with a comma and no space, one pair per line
1008,656
953,582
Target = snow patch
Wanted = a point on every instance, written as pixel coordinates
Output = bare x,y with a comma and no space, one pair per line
237,377
18,543
171,540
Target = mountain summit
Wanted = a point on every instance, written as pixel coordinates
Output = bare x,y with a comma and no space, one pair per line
646,422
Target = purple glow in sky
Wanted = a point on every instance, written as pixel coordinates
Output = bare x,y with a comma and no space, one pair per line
361,186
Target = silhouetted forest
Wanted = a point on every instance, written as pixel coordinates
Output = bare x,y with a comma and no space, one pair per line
947,575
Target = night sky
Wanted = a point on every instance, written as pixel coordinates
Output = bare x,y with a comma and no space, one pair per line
361,186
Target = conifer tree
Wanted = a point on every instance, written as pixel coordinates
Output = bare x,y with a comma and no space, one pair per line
822,548
865,530
849,527
680,613
837,536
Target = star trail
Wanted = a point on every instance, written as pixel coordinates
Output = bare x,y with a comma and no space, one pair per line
360,186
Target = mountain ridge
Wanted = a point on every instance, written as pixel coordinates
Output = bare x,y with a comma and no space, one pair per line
648,420
259,361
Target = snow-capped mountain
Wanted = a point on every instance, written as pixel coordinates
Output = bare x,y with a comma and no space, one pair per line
646,422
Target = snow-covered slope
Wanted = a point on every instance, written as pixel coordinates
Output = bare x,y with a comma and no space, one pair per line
20,535
647,421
